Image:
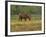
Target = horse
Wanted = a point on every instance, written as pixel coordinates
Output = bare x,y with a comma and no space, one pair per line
24,16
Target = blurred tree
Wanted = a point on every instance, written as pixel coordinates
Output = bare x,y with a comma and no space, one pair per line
16,9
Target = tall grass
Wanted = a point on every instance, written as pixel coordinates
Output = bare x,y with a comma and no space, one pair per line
17,25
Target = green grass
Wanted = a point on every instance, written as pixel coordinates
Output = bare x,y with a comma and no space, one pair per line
33,25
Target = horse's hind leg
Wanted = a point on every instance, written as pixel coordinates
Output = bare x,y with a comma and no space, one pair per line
20,18
25,19
29,19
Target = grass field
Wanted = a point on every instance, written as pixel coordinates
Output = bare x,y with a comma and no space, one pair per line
33,25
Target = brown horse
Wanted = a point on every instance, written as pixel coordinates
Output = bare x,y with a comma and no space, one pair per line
24,16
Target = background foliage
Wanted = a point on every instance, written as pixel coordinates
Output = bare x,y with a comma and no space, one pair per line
16,9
